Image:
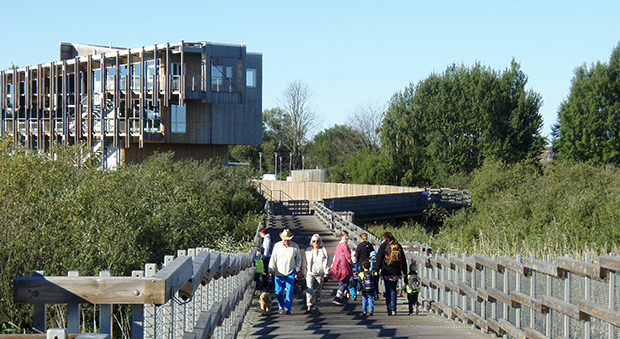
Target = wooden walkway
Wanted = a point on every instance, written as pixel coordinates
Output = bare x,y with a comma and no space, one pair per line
342,321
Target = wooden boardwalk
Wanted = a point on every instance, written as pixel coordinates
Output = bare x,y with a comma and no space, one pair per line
342,321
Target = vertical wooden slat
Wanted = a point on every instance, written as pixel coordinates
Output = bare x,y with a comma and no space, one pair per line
89,100
142,96
128,97
64,89
39,109
167,77
104,100
587,293
77,100
52,105
16,104
117,99
182,89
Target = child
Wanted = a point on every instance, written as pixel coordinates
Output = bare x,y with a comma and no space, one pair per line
413,287
373,264
354,283
368,291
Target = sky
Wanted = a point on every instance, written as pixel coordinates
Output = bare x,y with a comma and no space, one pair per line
349,53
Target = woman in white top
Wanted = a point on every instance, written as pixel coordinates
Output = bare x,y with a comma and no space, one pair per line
317,269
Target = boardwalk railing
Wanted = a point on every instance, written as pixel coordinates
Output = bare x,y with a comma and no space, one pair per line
522,298
197,295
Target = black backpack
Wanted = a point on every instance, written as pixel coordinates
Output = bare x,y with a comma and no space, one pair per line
393,253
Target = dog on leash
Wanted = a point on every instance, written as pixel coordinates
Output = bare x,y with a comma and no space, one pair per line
265,303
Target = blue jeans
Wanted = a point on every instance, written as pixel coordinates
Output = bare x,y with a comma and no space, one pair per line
282,283
390,294
368,303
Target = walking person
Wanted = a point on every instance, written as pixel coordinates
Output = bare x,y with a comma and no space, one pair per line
284,264
413,288
392,264
265,249
368,289
341,267
363,249
317,270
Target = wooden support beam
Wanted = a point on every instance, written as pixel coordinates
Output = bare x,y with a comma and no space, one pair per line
513,265
609,262
581,267
511,329
489,263
562,307
526,300
531,333
38,290
599,312
543,267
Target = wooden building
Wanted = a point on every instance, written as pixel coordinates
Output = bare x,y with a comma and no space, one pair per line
193,98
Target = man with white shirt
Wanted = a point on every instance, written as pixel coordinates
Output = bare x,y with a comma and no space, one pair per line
284,263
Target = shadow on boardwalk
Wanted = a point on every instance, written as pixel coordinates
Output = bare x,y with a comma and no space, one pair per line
341,321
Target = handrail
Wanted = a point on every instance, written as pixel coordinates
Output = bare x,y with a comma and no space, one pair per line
524,298
206,292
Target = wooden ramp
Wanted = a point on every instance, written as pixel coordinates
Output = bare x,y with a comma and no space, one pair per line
342,321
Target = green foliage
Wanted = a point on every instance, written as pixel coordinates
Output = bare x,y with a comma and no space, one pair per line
57,217
588,126
450,123
531,209
364,167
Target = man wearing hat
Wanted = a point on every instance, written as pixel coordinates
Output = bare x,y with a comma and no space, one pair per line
284,264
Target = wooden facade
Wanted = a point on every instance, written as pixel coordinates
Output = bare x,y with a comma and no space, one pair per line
192,98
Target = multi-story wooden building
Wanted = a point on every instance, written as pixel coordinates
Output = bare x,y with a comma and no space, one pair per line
191,98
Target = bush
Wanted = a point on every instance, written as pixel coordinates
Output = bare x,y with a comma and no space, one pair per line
57,216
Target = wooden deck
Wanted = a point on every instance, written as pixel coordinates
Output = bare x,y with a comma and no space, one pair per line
342,321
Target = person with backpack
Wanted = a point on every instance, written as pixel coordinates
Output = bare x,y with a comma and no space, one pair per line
369,292
413,287
363,249
392,264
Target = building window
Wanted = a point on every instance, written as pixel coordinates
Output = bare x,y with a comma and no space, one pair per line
176,73
221,78
178,119
250,78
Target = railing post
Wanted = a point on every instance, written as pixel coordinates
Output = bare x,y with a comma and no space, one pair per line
73,311
567,278
464,280
150,311
137,313
612,299
518,289
494,285
38,312
588,283
105,312
549,292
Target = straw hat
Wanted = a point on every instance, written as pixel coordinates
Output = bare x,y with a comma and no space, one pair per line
286,235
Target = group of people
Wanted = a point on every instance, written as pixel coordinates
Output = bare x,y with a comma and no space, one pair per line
356,274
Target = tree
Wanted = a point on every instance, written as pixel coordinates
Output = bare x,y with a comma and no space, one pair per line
333,146
588,127
449,123
299,119
366,119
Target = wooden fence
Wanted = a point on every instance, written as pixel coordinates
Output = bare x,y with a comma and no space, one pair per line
521,297
197,295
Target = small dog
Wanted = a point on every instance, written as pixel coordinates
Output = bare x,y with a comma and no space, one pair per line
265,303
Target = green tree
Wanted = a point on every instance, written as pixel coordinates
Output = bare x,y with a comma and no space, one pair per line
332,146
450,123
588,127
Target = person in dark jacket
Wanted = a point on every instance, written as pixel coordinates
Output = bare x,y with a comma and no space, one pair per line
392,264
363,249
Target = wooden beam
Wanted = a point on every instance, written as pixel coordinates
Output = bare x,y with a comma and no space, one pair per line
445,262
501,296
513,265
494,325
581,267
531,333
609,262
37,290
460,263
484,261
176,274
526,300
543,267
599,312
511,329
562,307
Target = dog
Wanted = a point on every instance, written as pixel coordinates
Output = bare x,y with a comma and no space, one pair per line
265,303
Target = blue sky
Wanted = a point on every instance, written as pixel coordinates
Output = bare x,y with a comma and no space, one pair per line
349,53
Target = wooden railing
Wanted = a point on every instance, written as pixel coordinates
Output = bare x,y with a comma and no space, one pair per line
197,295
518,297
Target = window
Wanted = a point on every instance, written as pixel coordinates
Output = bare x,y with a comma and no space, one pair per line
176,75
250,78
177,119
221,77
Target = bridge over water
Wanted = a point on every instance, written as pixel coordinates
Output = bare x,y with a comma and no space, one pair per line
342,321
